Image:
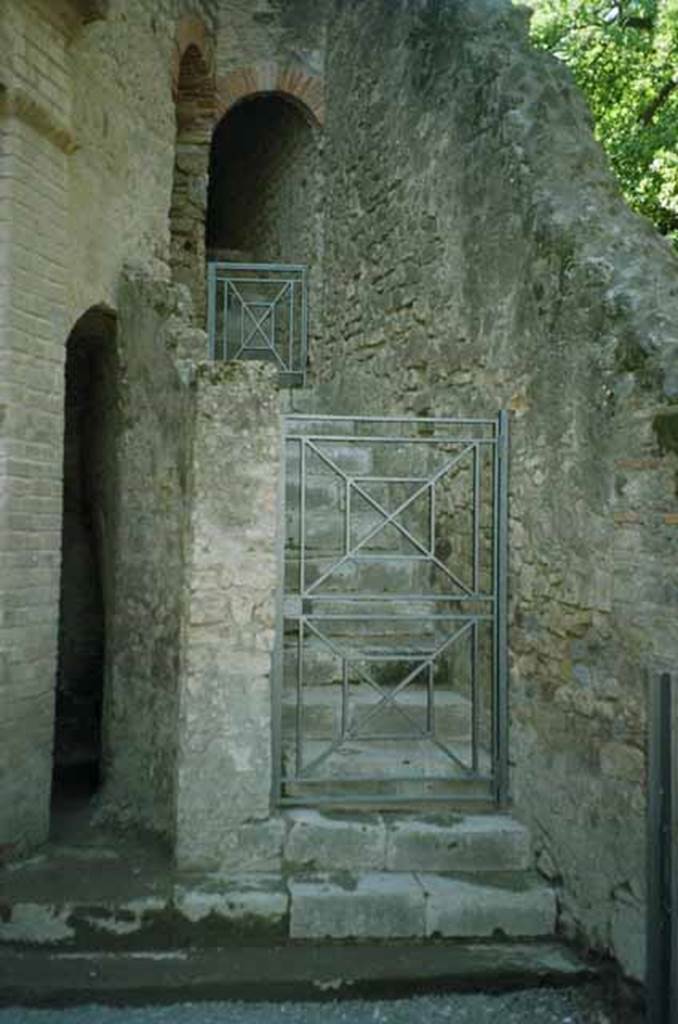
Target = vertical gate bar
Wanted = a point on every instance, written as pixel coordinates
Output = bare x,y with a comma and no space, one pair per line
347,515
292,325
673,842
212,309
302,515
432,518
475,699
344,697
659,884
225,317
300,706
273,338
500,702
243,341
430,709
476,519
290,333
303,341
278,681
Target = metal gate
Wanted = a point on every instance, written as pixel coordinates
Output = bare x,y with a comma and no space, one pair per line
391,681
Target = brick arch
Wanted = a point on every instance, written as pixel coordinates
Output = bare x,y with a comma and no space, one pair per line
191,32
270,77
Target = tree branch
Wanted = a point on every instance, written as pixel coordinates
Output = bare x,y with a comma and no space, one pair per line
659,100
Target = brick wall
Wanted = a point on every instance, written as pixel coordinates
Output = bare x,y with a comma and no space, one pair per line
33,307
87,133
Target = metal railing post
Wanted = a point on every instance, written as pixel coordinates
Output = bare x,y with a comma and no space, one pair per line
673,841
661,981
501,767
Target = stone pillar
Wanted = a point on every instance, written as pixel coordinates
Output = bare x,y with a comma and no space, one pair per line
224,758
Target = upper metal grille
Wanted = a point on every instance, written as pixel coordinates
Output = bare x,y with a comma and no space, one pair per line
259,311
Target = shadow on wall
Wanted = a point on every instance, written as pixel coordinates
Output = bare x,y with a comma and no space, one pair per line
88,532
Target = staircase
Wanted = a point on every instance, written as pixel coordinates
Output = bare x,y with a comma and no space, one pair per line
389,677
404,875
359,875
389,688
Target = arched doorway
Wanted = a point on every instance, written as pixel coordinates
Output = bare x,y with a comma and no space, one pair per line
88,527
265,215
264,183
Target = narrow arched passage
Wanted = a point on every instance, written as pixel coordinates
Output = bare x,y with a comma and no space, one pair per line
88,530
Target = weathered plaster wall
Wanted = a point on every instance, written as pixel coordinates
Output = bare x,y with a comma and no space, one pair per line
224,760
148,545
478,255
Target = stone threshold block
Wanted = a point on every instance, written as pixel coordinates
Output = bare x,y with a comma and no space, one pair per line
375,905
324,841
462,909
473,843
335,842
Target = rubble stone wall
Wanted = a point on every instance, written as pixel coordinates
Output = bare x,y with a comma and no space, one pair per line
478,255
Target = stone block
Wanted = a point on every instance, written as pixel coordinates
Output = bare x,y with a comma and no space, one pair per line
476,843
257,903
335,842
255,846
375,906
461,909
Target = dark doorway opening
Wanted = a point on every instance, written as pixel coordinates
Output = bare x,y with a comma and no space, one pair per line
86,580
263,183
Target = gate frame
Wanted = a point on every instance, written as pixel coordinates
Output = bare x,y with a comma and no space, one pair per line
500,782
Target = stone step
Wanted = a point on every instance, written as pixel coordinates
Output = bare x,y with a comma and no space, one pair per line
362,576
460,791
350,458
322,711
401,640
370,905
393,841
324,533
399,765
404,905
355,875
297,970
410,620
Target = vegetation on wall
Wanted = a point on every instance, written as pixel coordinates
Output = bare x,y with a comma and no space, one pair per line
624,57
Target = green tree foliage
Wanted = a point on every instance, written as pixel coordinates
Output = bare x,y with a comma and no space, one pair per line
624,57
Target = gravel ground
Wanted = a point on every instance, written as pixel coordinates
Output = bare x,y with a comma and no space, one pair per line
543,1006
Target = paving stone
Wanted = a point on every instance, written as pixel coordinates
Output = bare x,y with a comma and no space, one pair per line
483,842
376,905
462,909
